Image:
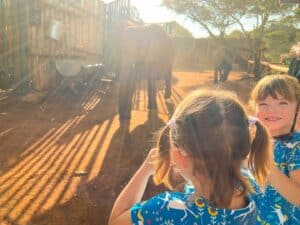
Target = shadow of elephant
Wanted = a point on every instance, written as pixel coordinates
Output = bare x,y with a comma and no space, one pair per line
145,51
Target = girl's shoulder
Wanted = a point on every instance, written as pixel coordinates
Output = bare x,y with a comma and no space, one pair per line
266,214
159,209
163,199
287,153
296,136
248,176
177,208
292,142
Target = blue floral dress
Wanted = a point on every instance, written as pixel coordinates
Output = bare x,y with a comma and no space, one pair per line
173,208
287,159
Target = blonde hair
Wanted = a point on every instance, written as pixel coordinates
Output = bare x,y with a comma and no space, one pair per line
212,127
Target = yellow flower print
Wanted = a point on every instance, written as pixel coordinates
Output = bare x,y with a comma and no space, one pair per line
277,206
282,165
258,218
262,222
140,217
212,211
199,203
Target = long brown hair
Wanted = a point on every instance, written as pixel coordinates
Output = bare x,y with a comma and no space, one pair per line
212,127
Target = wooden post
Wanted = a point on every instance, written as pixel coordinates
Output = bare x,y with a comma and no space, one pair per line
3,36
23,44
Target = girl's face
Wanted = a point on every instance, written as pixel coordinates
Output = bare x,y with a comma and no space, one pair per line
276,114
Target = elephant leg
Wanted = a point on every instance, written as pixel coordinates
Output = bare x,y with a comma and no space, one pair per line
152,92
127,85
222,75
216,75
225,75
227,71
168,80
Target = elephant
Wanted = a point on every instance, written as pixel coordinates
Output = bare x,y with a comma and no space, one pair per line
144,51
222,64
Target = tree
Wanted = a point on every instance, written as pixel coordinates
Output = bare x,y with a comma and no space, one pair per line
135,15
293,18
179,31
206,13
236,34
220,15
281,35
263,12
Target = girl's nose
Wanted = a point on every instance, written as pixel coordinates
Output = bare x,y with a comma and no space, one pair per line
271,108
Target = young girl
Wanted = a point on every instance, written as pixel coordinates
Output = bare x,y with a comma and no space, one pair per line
208,141
275,100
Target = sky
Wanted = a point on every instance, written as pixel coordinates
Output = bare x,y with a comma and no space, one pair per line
151,11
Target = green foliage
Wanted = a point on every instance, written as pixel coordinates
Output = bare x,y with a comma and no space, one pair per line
293,18
221,15
279,38
236,34
298,35
179,31
208,14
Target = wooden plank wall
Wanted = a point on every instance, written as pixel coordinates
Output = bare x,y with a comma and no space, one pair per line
13,28
117,10
28,47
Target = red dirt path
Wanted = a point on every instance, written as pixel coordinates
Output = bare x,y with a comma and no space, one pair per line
45,147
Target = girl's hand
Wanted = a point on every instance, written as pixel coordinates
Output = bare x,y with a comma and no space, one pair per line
133,191
148,166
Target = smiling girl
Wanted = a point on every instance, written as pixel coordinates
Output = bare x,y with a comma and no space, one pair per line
275,100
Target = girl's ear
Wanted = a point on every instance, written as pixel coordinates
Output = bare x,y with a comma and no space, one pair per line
180,158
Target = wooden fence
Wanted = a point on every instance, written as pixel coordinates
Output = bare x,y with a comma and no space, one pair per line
117,10
266,67
191,53
35,32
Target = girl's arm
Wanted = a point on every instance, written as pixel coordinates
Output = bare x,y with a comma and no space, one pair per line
132,193
288,187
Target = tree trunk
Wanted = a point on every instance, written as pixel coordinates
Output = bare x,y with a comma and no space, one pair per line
257,70
257,59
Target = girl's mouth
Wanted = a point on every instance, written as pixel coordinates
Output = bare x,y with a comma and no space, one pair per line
272,119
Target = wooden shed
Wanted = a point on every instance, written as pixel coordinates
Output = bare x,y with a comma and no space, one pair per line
34,33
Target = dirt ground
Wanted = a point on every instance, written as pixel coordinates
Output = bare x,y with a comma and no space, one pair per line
63,161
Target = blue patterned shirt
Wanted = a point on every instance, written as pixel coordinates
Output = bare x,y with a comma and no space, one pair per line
173,208
287,159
